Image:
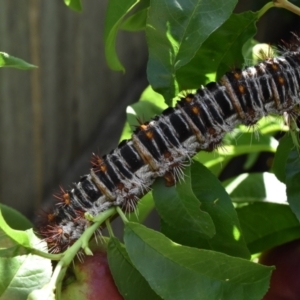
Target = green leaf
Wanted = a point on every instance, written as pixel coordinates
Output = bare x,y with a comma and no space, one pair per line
215,163
216,202
16,242
23,274
255,187
143,209
220,52
17,236
271,125
175,31
127,132
180,272
136,22
249,51
180,236
143,111
131,284
266,225
281,156
8,61
9,248
149,105
251,160
239,142
115,13
74,4
155,98
10,238
15,219
293,181
179,208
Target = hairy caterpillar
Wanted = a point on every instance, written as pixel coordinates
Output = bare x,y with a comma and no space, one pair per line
162,146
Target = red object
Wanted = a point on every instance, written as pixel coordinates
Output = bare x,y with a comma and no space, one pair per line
285,280
93,280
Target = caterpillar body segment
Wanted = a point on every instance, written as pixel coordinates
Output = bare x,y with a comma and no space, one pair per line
164,145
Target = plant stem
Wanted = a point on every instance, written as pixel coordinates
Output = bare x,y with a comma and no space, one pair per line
109,229
122,215
287,5
280,4
264,9
46,254
68,256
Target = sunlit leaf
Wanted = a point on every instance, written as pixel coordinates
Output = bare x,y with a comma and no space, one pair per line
8,61
22,274
256,187
175,31
74,4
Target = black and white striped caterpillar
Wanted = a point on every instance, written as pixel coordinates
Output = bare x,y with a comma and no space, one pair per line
163,146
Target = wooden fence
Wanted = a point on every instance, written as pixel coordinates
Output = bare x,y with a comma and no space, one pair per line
52,118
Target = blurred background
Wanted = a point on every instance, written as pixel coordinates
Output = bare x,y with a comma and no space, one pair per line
52,118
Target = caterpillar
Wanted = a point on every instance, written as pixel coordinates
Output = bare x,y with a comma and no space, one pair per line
163,146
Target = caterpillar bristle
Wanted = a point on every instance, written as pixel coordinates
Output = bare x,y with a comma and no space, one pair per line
63,198
163,147
98,163
129,204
